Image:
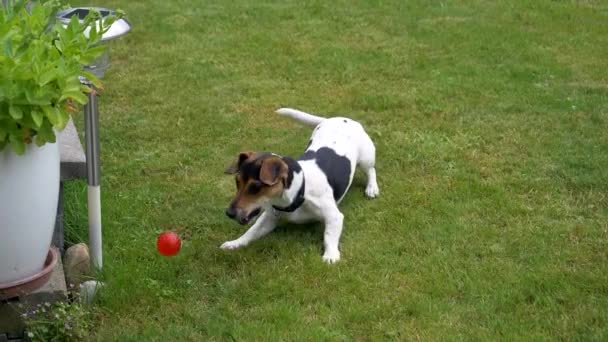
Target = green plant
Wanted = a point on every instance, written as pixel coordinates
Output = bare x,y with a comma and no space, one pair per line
40,63
61,321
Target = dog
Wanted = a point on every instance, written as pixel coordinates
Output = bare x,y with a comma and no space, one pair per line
308,189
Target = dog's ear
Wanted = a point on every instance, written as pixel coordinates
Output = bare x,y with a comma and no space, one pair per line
235,167
273,170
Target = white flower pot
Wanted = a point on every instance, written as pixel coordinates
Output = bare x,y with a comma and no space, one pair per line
29,190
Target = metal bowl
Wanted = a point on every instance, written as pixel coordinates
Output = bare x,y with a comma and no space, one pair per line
118,29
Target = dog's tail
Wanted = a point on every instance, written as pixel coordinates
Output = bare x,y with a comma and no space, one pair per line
305,118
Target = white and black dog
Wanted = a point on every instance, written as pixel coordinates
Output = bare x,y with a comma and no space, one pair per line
303,190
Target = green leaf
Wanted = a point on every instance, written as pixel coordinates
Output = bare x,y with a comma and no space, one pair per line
91,54
47,76
75,87
10,126
58,118
63,36
64,117
93,35
59,45
17,144
77,96
39,140
8,47
37,117
45,134
52,114
15,112
93,79
74,26
40,96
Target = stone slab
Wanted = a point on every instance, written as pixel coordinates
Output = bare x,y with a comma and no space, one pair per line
73,158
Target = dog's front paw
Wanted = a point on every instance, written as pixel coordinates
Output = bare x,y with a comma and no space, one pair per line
331,257
372,191
230,245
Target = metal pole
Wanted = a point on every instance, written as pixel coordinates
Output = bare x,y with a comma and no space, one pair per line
91,120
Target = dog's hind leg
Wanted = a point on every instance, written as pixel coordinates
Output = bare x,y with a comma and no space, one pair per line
333,229
367,162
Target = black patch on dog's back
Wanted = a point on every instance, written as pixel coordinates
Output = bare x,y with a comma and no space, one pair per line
336,168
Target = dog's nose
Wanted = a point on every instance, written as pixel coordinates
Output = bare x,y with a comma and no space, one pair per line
231,212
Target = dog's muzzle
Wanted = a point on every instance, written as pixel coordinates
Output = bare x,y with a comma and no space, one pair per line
240,216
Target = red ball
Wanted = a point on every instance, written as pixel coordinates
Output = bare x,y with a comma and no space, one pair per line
169,244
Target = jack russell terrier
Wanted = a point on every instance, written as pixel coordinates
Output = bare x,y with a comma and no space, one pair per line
303,190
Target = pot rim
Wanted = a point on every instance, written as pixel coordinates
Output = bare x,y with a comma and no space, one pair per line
33,282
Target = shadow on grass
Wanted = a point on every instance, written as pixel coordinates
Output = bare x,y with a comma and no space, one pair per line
299,232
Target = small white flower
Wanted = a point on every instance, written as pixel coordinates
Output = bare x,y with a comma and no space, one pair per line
47,304
30,334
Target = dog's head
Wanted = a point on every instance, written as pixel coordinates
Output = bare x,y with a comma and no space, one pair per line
259,178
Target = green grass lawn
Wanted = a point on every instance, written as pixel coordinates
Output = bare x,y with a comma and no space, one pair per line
491,125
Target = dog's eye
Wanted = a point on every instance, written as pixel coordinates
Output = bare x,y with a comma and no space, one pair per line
254,188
